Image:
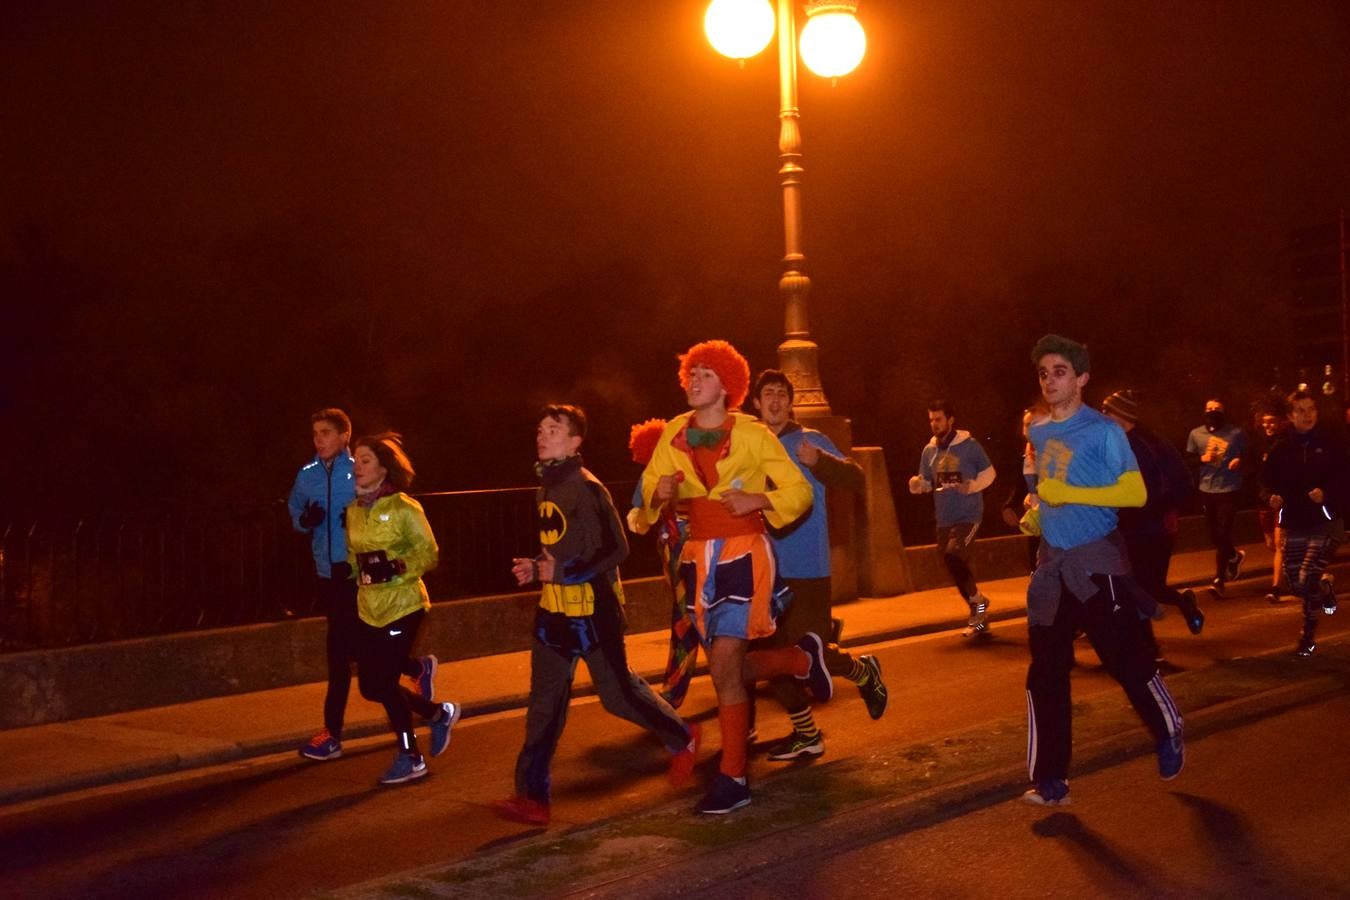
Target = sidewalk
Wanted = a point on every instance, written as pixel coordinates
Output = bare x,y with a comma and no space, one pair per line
134,745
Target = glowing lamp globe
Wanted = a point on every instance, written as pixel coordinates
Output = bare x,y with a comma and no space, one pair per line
832,42
739,28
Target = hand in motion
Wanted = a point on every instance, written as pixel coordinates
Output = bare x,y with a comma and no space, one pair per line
665,490
740,503
528,570
312,515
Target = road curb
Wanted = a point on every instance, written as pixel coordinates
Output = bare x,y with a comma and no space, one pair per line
252,748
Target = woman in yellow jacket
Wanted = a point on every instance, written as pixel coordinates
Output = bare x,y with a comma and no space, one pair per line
389,547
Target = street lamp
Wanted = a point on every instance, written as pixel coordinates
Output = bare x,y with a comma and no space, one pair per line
832,44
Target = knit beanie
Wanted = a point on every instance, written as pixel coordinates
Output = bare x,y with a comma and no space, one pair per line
1124,404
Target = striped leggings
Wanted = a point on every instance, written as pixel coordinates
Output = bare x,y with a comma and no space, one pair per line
1305,559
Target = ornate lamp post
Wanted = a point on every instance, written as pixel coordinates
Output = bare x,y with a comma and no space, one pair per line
832,44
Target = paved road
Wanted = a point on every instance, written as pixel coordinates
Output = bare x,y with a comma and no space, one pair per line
1259,812
279,826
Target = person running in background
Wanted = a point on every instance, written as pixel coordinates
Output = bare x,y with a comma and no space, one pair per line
1272,427
672,530
1219,446
1150,531
1082,580
580,617
390,546
954,468
1304,476
1019,509
803,550
318,502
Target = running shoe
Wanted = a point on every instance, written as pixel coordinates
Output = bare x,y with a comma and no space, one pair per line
682,763
873,689
522,810
426,682
406,767
323,746
1049,792
1234,567
1195,619
797,745
726,795
978,623
440,727
1171,756
1327,588
817,677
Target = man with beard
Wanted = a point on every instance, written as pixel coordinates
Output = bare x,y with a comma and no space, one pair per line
955,470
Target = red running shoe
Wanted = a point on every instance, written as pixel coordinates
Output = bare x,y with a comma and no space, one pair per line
682,763
523,810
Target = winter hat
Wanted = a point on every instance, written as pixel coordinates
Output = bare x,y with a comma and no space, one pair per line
1123,404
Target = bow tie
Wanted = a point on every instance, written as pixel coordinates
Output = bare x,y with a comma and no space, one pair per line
704,437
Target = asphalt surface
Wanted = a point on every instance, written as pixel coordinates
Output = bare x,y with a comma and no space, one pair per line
272,824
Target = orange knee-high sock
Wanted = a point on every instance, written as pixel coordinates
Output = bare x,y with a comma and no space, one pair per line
761,665
735,722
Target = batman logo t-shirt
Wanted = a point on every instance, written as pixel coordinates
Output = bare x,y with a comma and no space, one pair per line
552,523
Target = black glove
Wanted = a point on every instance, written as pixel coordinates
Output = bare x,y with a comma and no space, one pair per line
342,571
312,515
377,569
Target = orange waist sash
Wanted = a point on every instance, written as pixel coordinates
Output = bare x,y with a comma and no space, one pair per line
709,519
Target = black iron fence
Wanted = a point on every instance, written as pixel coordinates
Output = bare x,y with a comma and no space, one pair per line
83,579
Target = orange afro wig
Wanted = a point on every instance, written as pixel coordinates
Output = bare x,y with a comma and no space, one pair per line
726,361
643,438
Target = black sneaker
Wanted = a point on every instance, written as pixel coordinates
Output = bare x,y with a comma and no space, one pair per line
1216,588
1049,792
1195,619
1275,596
873,689
1306,647
726,795
1327,588
1171,756
978,623
1234,567
797,745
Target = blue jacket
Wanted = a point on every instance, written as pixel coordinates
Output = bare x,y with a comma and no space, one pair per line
333,489
803,547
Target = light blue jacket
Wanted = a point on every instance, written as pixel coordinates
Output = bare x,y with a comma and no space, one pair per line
803,548
333,489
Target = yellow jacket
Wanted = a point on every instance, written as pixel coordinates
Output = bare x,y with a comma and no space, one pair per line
754,456
395,524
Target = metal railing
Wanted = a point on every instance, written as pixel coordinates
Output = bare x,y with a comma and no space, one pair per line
111,576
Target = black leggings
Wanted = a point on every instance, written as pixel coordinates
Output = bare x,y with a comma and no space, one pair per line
343,645
384,656
1220,513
